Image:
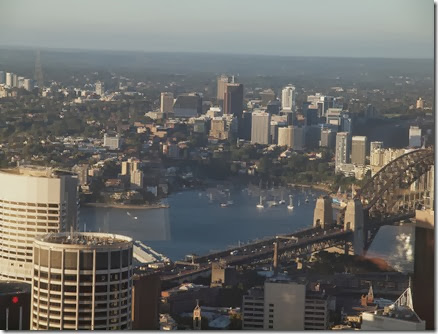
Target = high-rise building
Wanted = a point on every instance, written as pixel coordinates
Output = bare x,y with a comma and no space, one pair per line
187,105
9,79
374,145
166,105
233,99
328,138
284,136
288,98
321,102
245,124
100,88
221,84
358,150
269,307
43,201
20,82
28,84
14,80
137,179
414,136
334,116
146,294
342,149
298,138
82,281
2,77
420,103
130,166
260,128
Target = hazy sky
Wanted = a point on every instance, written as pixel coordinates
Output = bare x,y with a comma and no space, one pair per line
357,28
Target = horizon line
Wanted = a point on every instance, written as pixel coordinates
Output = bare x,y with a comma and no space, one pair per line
42,48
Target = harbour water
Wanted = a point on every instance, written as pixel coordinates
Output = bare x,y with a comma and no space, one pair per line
197,223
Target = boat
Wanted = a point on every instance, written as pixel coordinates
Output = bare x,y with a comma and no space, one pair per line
282,201
135,217
291,203
299,203
260,205
306,200
224,205
272,203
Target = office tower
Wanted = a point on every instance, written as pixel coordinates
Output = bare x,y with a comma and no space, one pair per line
274,132
414,136
334,116
129,166
9,79
328,138
342,149
267,96
221,84
285,136
2,77
253,309
112,142
82,281
233,99
420,103
346,123
14,80
218,128
100,88
310,114
358,150
312,136
187,105
28,85
20,82
321,102
146,294
245,125
288,98
166,105
33,201
298,138
260,128
280,298
137,179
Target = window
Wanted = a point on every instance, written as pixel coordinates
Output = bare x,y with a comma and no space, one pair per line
101,260
115,260
86,261
55,259
71,259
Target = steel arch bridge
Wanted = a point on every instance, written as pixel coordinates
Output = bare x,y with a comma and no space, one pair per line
380,196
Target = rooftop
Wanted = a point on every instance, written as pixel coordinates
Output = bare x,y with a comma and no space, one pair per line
398,312
37,171
85,239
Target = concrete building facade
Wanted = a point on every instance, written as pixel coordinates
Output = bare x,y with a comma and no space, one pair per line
260,128
166,102
358,150
42,201
82,281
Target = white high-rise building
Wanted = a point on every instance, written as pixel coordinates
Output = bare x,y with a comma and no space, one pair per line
342,149
414,136
288,98
284,136
374,145
9,79
137,179
28,84
100,88
260,128
33,201
82,281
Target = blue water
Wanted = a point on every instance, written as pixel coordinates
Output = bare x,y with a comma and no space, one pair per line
195,224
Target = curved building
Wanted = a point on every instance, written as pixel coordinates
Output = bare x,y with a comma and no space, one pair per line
82,281
33,201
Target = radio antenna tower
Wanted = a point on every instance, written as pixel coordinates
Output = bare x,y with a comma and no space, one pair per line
39,71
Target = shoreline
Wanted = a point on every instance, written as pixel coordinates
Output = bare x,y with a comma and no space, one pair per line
127,206
312,186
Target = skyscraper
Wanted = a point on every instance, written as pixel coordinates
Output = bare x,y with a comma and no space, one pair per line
374,145
260,128
358,150
9,79
100,88
43,201
342,149
233,99
414,136
166,105
2,77
267,96
82,281
288,98
187,105
221,83
328,138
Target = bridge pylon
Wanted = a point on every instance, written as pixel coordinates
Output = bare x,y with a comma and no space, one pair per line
323,214
354,221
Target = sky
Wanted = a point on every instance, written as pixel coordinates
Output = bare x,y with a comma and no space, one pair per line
334,28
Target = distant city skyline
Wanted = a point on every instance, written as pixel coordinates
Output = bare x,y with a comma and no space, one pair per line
336,28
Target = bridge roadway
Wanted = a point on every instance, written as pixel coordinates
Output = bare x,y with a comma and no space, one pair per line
310,240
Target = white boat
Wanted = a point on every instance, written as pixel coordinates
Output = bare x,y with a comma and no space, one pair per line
291,203
299,203
260,205
224,205
307,200
135,217
282,201
272,203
